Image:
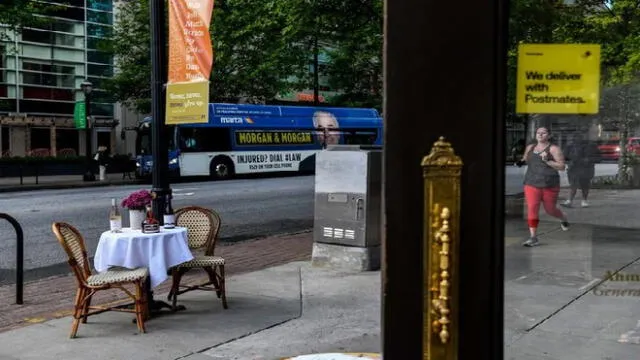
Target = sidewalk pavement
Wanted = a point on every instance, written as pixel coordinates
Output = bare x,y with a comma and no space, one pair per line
561,301
10,184
52,297
560,304
282,311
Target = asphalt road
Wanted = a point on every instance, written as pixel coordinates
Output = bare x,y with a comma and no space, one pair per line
248,208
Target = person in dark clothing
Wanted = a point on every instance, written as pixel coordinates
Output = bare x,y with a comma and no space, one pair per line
582,155
542,182
103,158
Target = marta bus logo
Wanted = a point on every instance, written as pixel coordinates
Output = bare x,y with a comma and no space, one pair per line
231,120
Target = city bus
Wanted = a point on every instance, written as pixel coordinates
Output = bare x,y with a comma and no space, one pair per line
251,139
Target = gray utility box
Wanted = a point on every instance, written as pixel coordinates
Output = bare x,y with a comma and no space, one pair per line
348,193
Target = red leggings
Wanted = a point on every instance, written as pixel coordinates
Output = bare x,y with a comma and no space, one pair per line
547,196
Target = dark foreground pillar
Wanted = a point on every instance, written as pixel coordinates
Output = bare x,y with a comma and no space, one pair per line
444,76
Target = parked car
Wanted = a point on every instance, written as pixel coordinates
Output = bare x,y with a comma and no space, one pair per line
610,149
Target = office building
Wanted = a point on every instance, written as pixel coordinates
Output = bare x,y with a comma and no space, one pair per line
41,70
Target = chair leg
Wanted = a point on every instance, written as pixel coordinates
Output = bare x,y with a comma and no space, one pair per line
85,309
177,276
213,278
223,286
173,283
77,313
141,305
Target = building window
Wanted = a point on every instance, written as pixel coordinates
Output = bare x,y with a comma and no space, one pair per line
99,57
40,138
48,67
66,12
4,136
100,70
8,105
94,43
67,139
97,83
78,3
104,5
46,37
102,109
100,17
99,96
32,78
46,93
98,30
46,107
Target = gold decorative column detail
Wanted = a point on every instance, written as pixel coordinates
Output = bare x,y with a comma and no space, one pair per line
442,170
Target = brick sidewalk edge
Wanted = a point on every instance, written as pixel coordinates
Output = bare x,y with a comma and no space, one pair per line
52,297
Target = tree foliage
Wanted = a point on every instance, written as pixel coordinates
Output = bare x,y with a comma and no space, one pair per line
17,14
131,45
615,25
264,48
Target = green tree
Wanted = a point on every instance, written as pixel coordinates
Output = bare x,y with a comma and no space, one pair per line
255,50
130,44
356,54
615,25
17,14
258,49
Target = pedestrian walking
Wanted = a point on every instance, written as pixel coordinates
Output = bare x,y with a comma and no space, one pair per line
103,160
542,182
582,156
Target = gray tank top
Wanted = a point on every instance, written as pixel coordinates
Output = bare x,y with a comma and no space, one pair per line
538,173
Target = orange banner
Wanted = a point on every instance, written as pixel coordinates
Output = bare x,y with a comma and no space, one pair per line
190,50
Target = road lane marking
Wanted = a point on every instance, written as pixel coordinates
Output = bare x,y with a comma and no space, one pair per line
185,194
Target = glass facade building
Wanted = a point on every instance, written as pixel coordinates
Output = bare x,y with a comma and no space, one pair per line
41,69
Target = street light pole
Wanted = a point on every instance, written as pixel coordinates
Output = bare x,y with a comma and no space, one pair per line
159,149
86,87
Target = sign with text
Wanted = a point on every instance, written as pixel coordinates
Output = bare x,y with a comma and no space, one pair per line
188,103
190,59
558,79
247,162
275,137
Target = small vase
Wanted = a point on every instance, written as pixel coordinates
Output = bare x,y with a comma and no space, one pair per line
136,217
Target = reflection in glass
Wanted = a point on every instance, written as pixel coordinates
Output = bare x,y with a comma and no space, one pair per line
575,296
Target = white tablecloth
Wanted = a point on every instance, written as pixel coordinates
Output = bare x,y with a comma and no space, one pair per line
132,249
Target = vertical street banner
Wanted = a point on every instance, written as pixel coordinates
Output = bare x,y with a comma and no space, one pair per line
190,61
80,115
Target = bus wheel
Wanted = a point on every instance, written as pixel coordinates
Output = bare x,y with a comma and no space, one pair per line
221,168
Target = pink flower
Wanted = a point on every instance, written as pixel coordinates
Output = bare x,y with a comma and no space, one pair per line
137,200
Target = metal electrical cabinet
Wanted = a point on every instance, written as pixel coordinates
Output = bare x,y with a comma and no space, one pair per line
348,195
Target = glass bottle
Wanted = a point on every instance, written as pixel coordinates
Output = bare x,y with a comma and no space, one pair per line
150,224
115,218
169,218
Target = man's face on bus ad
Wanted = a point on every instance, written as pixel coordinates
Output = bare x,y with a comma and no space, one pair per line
326,122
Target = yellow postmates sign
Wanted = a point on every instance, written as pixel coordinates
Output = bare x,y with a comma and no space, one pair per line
558,79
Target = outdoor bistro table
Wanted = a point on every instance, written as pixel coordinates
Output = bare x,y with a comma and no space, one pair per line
133,249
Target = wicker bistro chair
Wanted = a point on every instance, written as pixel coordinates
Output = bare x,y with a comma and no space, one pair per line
88,283
203,226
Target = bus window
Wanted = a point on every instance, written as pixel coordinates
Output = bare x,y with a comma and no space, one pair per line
360,137
204,139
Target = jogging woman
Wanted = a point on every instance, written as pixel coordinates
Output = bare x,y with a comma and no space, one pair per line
542,182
